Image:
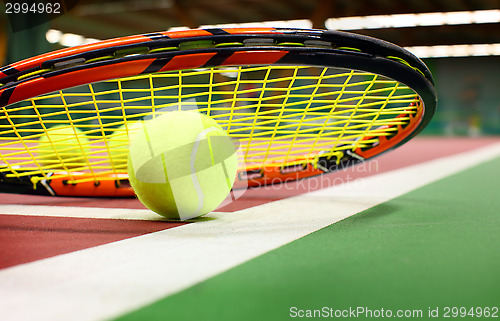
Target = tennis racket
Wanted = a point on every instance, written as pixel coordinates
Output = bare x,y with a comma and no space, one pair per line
300,103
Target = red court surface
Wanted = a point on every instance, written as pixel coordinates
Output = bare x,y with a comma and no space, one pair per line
28,238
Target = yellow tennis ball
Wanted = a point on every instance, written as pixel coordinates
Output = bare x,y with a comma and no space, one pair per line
182,165
119,141
63,146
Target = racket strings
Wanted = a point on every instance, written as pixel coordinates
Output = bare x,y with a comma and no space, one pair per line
282,115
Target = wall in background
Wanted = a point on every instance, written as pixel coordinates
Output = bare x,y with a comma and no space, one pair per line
469,96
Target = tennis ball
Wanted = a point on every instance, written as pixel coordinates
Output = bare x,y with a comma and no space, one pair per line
118,143
63,146
182,165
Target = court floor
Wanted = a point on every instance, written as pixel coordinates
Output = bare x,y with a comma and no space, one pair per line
414,233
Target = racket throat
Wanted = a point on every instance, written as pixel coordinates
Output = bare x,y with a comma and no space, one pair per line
328,164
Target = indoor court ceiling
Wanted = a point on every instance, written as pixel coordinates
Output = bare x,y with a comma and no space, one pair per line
104,19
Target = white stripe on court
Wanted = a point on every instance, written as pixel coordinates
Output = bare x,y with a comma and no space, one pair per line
79,212
113,279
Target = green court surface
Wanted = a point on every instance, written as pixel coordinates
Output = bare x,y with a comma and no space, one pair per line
436,247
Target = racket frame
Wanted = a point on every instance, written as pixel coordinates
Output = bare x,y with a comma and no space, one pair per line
170,51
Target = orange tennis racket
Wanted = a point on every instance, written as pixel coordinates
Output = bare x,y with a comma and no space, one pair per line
300,103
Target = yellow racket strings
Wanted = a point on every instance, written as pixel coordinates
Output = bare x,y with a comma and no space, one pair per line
279,114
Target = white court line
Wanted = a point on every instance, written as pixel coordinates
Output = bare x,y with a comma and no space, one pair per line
79,212
109,280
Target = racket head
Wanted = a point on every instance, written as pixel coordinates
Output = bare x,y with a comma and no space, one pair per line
299,102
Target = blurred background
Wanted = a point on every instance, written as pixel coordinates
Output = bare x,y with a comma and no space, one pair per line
458,39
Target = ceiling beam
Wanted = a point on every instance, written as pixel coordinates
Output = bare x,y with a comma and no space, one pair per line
438,35
323,10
